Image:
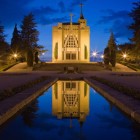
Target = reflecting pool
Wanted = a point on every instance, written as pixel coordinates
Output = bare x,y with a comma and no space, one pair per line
70,110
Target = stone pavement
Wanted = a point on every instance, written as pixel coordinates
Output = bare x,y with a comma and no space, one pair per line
122,68
21,67
20,74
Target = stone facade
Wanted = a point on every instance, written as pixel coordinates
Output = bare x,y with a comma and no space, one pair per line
71,42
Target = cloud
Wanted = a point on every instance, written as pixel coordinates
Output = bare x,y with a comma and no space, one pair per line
11,11
75,3
46,15
46,20
118,22
44,11
62,6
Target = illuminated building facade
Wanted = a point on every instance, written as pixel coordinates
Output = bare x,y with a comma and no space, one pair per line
71,41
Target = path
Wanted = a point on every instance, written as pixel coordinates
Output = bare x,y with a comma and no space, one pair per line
21,67
122,68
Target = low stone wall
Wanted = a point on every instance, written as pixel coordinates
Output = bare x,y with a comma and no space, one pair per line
12,105
127,104
64,66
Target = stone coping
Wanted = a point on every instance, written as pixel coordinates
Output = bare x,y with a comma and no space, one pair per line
124,102
12,105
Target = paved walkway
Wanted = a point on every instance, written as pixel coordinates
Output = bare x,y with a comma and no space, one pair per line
20,74
21,67
122,68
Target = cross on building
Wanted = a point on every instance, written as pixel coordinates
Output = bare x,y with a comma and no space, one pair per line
71,16
71,41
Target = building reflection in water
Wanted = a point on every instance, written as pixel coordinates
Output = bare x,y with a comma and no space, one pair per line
70,99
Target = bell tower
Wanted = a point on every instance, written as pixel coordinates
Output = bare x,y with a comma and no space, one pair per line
82,20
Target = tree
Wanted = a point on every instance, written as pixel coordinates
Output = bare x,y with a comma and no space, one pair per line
30,58
126,47
135,26
29,33
36,57
2,36
112,48
29,36
3,43
16,40
106,56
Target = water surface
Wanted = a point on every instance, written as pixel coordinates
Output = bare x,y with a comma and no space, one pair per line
70,110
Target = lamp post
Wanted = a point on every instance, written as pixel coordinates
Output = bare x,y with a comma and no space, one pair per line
94,54
102,56
15,56
124,56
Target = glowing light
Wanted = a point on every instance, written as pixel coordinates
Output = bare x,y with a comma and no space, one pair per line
43,53
15,55
124,55
102,56
94,54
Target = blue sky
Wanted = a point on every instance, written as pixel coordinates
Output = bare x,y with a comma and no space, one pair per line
102,16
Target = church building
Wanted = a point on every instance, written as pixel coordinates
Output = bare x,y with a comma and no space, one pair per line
71,41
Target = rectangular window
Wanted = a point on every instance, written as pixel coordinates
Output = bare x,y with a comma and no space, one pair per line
68,56
73,56
67,85
70,86
73,85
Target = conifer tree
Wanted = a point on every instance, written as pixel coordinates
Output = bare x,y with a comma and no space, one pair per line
29,36
2,36
16,40
112,49
3,44
29,33
135,26
106,56
36,57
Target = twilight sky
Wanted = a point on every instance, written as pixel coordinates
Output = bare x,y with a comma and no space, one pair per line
102,16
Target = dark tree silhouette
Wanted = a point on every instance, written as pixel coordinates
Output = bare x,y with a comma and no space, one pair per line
16,40
2,36
36,57
3,44
29,33
29,113
29,36
112,48
135,26
106,56
30,57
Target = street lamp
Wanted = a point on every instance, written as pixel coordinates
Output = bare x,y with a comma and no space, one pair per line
15,55
124,56
94,54
102,56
